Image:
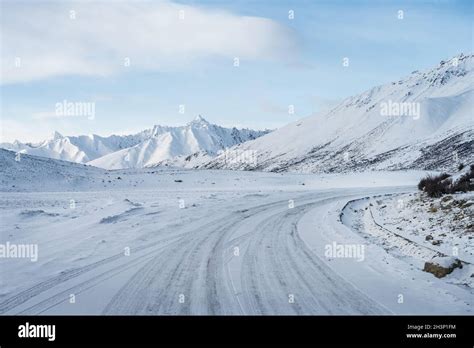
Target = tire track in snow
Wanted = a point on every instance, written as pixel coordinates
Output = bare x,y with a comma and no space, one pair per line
191,267
278,264
192,261
275,264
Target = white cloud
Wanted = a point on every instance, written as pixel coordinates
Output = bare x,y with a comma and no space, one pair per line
151,34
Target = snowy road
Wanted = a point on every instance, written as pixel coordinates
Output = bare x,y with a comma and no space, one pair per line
273,266
251,254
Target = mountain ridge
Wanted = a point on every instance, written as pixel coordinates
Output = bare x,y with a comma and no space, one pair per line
148,147
357,135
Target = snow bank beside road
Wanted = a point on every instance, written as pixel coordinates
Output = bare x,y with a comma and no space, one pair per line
419,230
399,286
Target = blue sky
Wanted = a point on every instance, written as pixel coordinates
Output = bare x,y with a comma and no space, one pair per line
190,60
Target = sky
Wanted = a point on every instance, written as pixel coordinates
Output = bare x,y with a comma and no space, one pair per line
237,63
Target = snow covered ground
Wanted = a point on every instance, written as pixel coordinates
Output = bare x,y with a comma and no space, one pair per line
415,228
176,241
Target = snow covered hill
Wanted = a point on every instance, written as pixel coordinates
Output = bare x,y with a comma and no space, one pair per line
424,121
21,172
147,148
165,144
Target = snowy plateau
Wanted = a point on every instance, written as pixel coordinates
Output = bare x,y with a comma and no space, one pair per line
323,217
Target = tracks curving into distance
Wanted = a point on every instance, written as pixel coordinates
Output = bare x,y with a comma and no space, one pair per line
245,261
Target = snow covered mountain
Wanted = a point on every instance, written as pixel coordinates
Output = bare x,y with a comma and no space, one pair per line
80,149
423,121
148,148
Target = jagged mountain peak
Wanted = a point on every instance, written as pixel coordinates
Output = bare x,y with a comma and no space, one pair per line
147,148
199,121
56,136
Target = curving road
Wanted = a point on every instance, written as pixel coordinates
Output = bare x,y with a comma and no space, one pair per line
244,260
271,272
